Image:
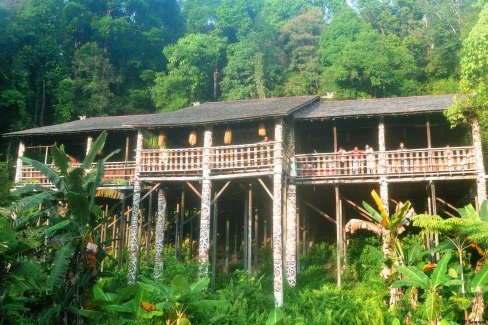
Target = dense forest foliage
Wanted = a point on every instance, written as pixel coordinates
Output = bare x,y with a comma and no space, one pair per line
61,59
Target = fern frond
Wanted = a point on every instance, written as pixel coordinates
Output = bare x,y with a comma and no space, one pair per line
59,267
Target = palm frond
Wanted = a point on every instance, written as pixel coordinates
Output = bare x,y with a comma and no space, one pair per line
96,147
51,174
109,193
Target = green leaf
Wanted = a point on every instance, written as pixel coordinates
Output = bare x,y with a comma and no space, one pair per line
99,295
432,305
372,212
414,275
59,267
59,225
78,205
141,295
47,171
60,159
480,279
96,147
92,314
440,270
199,285
275,316
180,287
184,321
484,211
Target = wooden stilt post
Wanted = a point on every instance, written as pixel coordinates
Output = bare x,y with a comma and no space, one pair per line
214,244
434,212
338,234
122,232
298,238
227,229
383,165
18,169
159,240
256,242
89,144
134,227
181,223
277,215
177,227
234,256
249,229
291,229
149,229
191,238
206,199
245,236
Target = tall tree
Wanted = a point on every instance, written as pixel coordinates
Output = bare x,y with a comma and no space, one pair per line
300,39
360,62
194,65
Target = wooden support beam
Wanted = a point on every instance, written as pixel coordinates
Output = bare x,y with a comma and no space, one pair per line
190,185
446,204
256,241
362,211
265,188
217,195
335,138
150,191
122,233
323,214
227,235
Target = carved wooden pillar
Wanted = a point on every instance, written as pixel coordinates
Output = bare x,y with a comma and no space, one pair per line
159,241
134,226
89,144
478,156
204,241
277,210
291,215
20,163
383,168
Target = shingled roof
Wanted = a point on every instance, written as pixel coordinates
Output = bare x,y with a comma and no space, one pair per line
79,126
229,111
377,107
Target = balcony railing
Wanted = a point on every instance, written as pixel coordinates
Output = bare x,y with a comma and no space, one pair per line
242,158
395,163
113,171
171,162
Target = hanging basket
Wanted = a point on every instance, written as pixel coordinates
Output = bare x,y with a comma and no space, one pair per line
262,130
192,140
162,140
228,136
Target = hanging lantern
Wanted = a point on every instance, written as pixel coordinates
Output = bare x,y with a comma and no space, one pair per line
228,136
162,140
192,140
262,129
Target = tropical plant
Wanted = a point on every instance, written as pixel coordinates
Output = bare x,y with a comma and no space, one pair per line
72,258
19,271
388,227
413,276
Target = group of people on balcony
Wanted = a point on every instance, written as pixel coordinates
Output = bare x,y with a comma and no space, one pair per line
367,162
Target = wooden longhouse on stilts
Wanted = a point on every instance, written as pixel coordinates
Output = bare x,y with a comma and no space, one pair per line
246,174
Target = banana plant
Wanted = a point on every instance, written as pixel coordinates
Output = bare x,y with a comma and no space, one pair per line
413,276
70,210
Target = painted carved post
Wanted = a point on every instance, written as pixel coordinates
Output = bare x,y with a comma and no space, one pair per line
204,242
89,143
134,226
277,210
160,227
18,170
291,215
478,156
382,165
